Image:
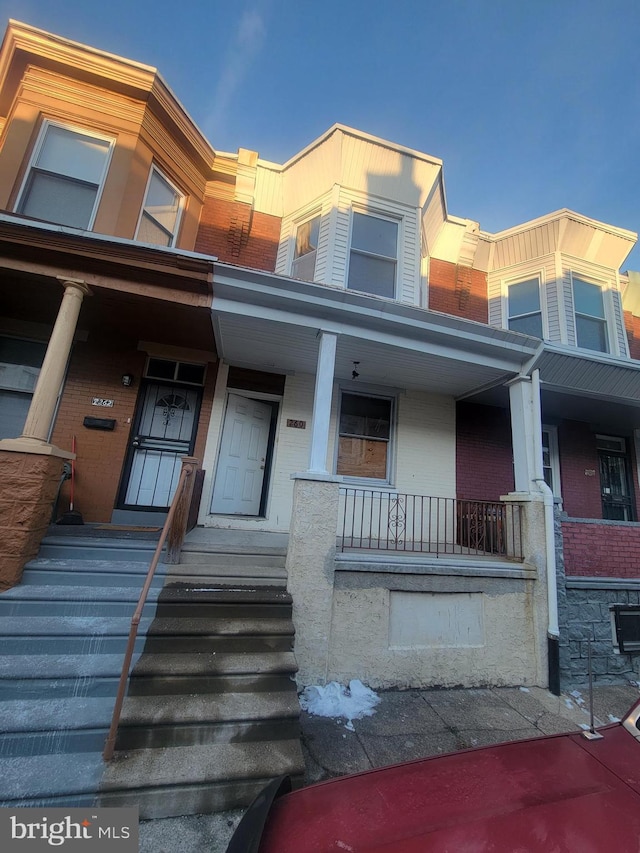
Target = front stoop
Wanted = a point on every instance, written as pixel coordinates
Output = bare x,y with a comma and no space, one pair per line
211,712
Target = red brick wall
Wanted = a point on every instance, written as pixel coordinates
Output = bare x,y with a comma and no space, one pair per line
484,466
95,371
632,325
459,290
601,550
236,235
581,496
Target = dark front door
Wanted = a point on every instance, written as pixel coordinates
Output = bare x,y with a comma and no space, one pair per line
165,429
615,479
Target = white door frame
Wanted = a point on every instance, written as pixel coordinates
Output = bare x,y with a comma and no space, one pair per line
258,396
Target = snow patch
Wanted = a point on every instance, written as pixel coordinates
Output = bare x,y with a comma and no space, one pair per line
335,700
613,719
524,690
585,727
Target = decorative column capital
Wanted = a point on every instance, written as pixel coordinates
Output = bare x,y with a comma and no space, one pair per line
76,283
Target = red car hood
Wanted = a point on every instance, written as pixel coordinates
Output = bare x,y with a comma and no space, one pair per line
560,794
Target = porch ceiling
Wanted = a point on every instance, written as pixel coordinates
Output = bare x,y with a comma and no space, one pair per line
286,348
269,322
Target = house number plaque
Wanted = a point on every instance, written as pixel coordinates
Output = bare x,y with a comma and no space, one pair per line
296,424
98,401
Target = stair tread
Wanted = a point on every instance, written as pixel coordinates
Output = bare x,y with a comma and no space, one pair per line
110,665
36,776
81,564
70,592
203,763
34,715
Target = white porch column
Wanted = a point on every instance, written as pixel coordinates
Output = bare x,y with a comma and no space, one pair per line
526,432
43,404
322,403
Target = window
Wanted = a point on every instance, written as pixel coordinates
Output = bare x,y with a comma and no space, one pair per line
175,371
65,177
161,211
373,258
525,314
591,323
20,363
364,436
550,459
306,248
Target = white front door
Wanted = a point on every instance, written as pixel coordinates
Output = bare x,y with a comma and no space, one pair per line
243,451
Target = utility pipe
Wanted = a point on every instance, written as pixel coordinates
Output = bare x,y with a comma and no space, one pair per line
553,630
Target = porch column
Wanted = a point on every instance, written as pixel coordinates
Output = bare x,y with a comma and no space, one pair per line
322,403
526,432
43,404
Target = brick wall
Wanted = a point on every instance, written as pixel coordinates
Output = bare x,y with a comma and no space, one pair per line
581,496
458,290
95,371
484,466
601,549
236,235
632,325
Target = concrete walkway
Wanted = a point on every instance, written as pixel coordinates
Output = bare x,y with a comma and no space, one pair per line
407,725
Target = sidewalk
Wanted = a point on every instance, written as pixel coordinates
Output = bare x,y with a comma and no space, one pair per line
407,725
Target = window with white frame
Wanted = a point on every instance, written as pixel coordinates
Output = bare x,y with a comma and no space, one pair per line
524,308
364,436
65,176
373,259
161,211
20,363
551,459
306,249
591,322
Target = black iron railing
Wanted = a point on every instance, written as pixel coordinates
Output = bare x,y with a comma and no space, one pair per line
388,521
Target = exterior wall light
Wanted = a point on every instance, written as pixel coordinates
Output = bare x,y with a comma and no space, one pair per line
127,379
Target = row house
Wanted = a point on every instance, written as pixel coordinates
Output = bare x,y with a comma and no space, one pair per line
443,420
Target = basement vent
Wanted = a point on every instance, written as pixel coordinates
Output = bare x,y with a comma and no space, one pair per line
626,627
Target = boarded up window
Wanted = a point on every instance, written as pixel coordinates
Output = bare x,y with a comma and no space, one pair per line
365,430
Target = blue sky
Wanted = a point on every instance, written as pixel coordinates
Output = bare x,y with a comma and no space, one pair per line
532,105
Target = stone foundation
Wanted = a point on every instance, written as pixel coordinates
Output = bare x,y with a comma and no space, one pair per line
27,490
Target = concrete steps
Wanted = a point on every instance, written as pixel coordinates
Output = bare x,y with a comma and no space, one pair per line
211,712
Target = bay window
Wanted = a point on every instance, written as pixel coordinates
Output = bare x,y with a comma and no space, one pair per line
590,319
161,211
65,176
525,314
373,258
306,249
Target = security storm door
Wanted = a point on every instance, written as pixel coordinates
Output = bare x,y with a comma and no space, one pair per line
167,420
242,461
615,480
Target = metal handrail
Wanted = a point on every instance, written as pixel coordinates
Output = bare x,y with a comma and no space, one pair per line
189,466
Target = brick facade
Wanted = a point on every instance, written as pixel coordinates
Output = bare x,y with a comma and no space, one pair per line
601,549
27,491
458,290
233,233
579,470
632,325
484,461
95,371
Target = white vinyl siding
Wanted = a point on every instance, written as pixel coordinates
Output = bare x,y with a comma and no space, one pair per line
65,177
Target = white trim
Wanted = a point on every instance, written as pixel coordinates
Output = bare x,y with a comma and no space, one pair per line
506,283
369,482
554,459
607,307
365,209
181,206
37,148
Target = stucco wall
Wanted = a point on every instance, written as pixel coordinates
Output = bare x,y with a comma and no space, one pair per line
364,634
